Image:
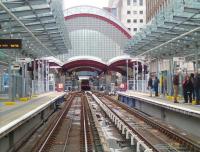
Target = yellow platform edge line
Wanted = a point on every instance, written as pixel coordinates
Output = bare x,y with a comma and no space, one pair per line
24,99
9,103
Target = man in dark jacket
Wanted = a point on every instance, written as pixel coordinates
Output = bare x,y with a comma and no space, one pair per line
197,87
156,83
187,89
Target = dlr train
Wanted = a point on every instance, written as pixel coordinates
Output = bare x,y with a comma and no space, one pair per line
85,85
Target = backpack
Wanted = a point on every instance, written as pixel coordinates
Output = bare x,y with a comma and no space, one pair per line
176,80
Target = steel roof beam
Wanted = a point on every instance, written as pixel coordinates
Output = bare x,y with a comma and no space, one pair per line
4,15
192,10
18,3
184,26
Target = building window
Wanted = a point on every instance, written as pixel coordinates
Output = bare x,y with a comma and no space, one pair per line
128,2
141,20
141,2
141,12
134,2
135,21
135,29
134,12
128,21
128,12
129,29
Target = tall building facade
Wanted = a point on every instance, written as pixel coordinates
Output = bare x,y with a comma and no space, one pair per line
153,7
132,13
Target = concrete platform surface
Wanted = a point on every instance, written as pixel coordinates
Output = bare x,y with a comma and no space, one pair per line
10,115
194,110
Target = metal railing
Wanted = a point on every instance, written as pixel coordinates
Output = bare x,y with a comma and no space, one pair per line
138,85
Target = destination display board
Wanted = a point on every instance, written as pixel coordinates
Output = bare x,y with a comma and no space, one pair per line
10,43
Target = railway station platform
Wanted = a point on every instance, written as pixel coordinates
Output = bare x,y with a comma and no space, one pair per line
182,115
15,119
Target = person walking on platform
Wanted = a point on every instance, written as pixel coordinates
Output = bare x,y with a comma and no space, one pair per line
197,87
156,83
150,85
187,89
175,86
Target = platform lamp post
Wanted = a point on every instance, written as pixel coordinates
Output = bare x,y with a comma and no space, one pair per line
127,75
137,75
143,75
133,75
196,58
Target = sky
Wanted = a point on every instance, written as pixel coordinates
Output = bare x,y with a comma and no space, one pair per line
97,3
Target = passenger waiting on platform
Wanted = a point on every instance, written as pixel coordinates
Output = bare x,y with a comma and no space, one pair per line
193,91
197,87
150,85
187,89
156,83
175,86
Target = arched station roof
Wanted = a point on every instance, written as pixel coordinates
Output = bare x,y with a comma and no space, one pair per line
89,63
119,64
96,13
84,63
95,32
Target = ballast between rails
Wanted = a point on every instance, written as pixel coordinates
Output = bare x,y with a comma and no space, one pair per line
122,125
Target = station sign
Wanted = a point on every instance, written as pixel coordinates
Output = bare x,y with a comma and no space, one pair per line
178,59
10,43
15,67
24,60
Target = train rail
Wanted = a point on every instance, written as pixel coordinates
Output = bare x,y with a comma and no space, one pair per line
146,130
71,130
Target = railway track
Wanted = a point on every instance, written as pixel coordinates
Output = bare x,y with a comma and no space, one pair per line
71,130
151,133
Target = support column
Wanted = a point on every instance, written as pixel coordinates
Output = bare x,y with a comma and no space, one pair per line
127,134
23,80
47,76
11,81
143,84
171,73
137,76
132,140
133,76
27,89
158,73
196,59
123,130
127,75
138,145
39,78
42,76
34,77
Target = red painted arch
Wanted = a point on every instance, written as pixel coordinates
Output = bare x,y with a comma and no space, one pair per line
100,18
85,63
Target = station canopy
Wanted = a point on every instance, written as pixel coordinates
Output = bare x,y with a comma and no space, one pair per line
174,32
40,25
